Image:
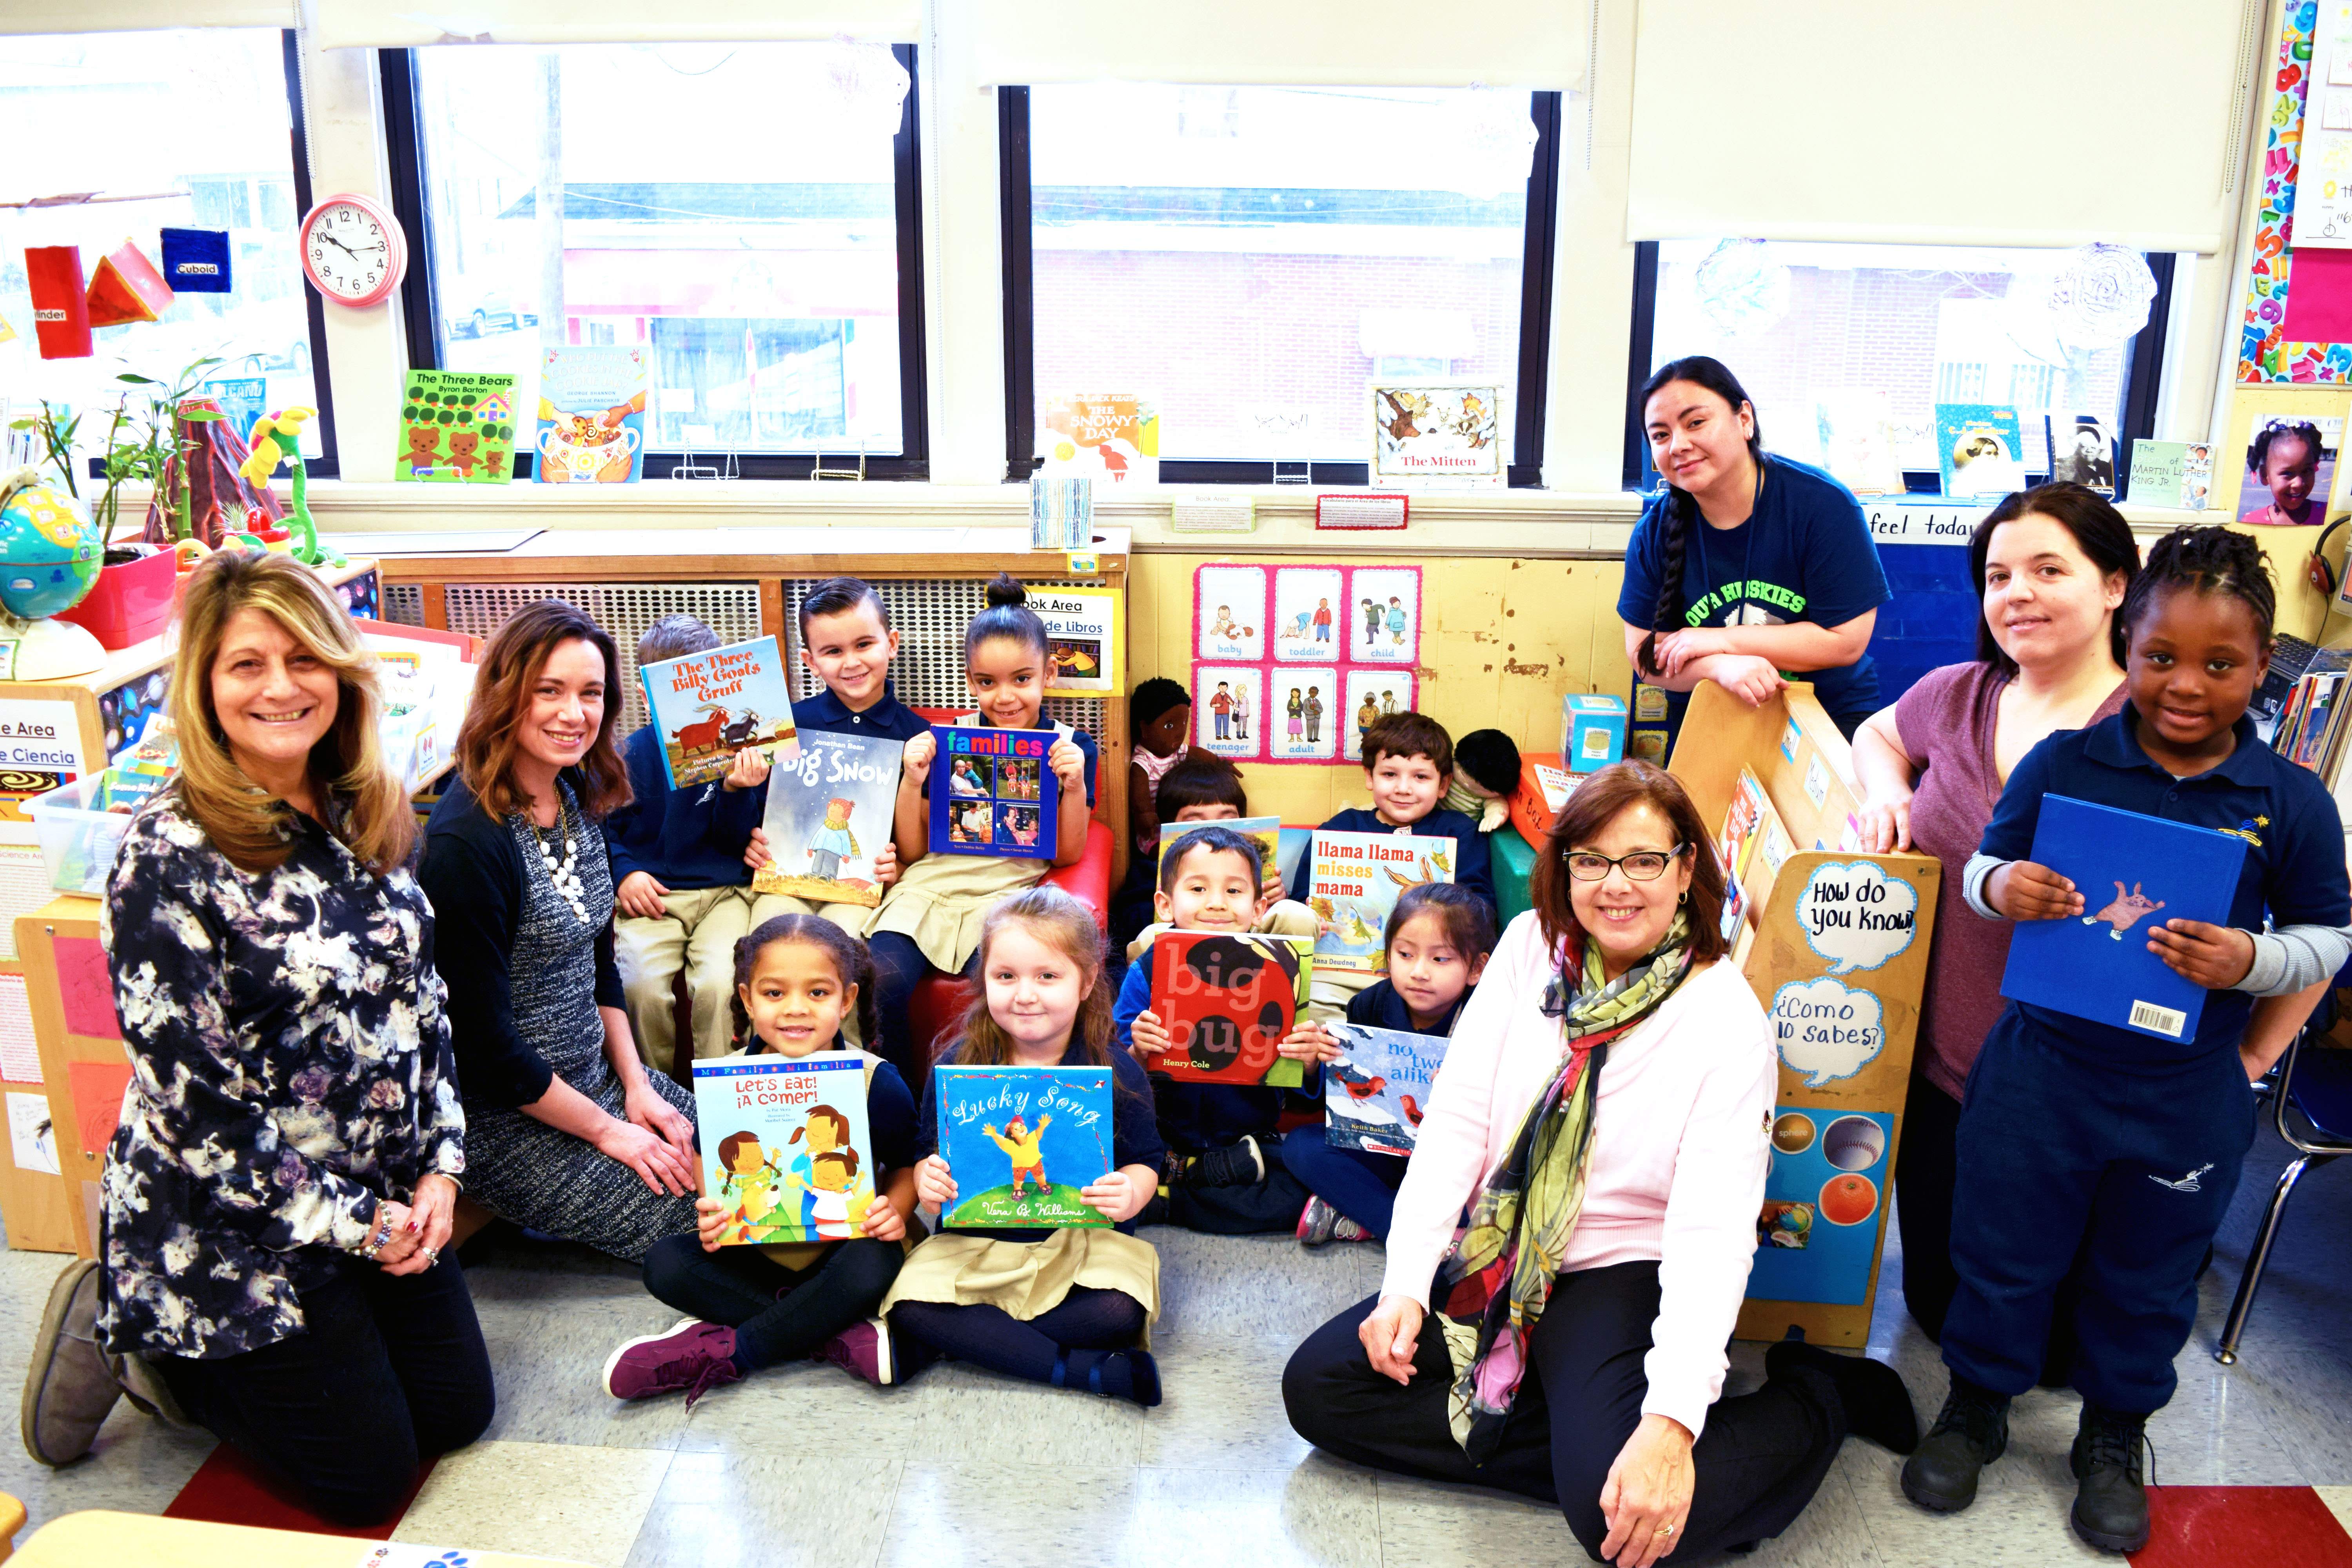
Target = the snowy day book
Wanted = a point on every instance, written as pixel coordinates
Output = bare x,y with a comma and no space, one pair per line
1022,1143
828,816
785,1144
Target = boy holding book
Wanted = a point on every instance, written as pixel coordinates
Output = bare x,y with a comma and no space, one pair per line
1204,788
681,896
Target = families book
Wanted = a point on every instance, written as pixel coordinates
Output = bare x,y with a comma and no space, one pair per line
1354,881
2133,871
706,706
1227,998
1374,1092
785,1145
829,813
1022,1143
992,792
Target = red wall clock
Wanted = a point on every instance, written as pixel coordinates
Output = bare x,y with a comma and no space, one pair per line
352,250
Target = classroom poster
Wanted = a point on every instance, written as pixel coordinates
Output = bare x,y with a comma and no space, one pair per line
1229,712
1082,637
1384,617
1372,695
1302,718
1308,602
1229,613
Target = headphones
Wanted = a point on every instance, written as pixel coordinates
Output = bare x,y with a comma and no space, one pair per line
2317,570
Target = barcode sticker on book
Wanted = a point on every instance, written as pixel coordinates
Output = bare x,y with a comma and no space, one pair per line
2163,1020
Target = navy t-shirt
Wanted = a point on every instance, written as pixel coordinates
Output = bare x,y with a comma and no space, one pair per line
2294,868
1134,1132
1804,554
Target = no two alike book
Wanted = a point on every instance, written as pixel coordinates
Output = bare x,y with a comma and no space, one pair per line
1227,999
1375,1091
706,707
785,1145
1022,1143
829,813
992,792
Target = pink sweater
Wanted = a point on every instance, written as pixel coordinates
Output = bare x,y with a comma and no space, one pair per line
1681,1145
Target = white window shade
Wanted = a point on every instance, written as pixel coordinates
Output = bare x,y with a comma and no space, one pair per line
1537,44
142,15
395,24
2007,122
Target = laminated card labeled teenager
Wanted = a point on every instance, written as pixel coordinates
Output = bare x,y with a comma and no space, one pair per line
706,707
1021,1144
785,1145
1227,999
828,816
1354,881
2133,871
992,792
1374,1092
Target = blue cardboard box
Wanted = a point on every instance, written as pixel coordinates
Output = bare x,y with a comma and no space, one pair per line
1591,731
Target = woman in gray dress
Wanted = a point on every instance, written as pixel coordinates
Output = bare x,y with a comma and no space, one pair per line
567,1130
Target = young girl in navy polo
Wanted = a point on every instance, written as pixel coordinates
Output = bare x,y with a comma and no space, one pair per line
1439,937
2123,1148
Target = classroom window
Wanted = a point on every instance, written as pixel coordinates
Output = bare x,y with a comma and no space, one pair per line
746,211
192,124
1800,324
1254,258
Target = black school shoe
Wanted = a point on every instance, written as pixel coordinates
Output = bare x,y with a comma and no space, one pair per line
1241,1165
1971,1433
2110,1496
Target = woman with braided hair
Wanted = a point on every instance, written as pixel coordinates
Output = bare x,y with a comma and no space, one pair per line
1748,567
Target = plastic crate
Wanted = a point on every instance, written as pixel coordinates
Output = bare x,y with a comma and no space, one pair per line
77,844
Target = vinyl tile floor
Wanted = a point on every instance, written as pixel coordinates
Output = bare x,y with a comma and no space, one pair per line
804,1465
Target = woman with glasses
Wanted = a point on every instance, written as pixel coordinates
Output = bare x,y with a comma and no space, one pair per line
1603,1110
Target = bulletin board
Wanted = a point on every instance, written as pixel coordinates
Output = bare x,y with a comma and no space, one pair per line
2302,333
1290,662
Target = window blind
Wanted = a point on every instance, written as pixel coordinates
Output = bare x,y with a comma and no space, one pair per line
391,24
141,15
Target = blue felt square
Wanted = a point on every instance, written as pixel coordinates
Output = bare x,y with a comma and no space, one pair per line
195,260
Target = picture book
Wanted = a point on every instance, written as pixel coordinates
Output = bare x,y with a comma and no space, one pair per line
1353,885
1375,1090
592,416
829,814
2082,452
992,792
1744,823
709,706
1857,437
1110,435
1265,832
1021,1144
2174,473
1227,1000
1437,433
238,399
2096,966
785,1144
457,427
1979,449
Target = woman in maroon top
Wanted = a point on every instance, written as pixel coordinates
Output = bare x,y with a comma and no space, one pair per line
2054,564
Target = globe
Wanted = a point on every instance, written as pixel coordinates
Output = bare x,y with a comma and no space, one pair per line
49,555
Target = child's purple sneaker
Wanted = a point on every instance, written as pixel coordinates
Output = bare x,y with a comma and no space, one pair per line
695,1356
863,1350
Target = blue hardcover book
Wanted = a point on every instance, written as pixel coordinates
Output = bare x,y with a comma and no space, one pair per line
1022,1143
1374,1092
1979,448
706,707
992,792
2133,871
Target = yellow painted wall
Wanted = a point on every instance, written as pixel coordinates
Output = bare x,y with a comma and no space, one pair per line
1502,641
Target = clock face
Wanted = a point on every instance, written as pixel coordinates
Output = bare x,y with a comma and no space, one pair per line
352,250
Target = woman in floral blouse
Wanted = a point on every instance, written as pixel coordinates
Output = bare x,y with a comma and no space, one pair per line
280,1188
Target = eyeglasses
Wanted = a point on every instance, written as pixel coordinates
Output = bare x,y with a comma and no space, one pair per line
1642,865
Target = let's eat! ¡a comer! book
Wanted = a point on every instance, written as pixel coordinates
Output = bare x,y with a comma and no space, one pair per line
1021,1144
992,792
1227,998
785,1145
1354,880
706,706
828,815
2133,871
1375,1091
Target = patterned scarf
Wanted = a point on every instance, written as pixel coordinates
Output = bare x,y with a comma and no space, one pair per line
1502,1271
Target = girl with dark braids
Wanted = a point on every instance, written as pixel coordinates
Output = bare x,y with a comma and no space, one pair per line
2123,1146
1749,567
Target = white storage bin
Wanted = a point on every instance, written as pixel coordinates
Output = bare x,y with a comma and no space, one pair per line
78,843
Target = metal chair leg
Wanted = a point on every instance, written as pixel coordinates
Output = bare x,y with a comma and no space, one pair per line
2259,1255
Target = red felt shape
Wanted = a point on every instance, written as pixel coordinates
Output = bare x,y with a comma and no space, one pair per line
126,288
86,989
2319,297
230,1488
2258,1527
98,1089
60,313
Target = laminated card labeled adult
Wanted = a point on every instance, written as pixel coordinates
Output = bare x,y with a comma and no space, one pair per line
992,792
2133,872
1227,998
1021,1144
828,816
706,707
786,1147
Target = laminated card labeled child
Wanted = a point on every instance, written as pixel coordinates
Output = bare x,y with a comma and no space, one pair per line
785,1145
828,816
1227,999
1022,1143
1354,883
706,707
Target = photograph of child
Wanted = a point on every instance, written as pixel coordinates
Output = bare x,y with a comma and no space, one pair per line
1017,779
1017,825
970,824
2290,463
968,775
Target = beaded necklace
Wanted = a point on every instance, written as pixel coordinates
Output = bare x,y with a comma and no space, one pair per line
564,875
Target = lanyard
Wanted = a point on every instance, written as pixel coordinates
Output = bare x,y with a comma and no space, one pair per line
1748,556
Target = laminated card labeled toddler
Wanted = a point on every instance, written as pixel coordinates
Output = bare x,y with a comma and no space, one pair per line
706,707
828,816
785,1145
1022,1143
1354,881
